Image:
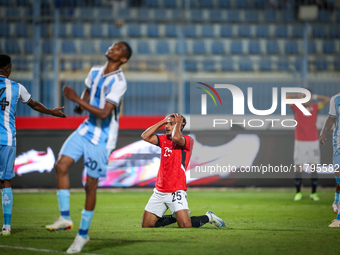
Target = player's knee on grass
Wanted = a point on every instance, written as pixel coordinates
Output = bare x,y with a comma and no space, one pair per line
183,219
149,220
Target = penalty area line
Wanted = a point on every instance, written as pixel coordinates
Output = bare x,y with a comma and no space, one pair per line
35,249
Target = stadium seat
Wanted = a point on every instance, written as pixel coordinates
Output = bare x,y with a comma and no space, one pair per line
251,15
12,46
270,15
334,31
226,30
86,13
160,15
143,47
105,13
44,30
12,12
190,30
67,46
206,3
170,30
162,47
324,15
336,63
124,14
321,64
291,47
96,30
298,30
4,29
62,29
176,14
152,30
196,15
262,30
281,30
259,4
328,47
243,30
190,65
283,64
104,45
151,3
47,46
185,48
272,46
87,47
298,63
20,63
143,14
217,47
4,2
78,29
198,47
209,65
66,12
233,15
207,30
114,31
318,31
134,30
22,2
227,64
28,46
189,3
215,15
242,4
311,47
236,47
224,3
170,3
254,47
288,15
21,29
265,64
76,64
245,64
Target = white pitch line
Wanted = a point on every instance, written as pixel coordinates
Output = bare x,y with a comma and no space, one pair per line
34,249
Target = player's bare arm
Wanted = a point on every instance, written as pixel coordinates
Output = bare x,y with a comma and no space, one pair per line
328,125
100,113
176,135
149,136
323,99
85,96
37,106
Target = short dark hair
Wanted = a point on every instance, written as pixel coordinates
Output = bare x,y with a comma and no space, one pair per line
4,60
128,50
184,119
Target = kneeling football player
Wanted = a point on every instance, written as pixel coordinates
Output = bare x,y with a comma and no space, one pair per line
170,191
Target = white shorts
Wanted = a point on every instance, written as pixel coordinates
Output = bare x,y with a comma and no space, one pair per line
159,202
306,152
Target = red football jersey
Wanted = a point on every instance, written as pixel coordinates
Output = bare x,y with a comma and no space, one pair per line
306,129
174,160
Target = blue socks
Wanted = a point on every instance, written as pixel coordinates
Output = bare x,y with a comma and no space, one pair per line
7,204
86,217
336,197
64,202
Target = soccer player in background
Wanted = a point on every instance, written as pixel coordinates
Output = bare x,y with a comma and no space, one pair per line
171,186
10,93
94,139
306,145
334,119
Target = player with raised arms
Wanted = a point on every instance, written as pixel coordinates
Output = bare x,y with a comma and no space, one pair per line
171,186
94,139
10,93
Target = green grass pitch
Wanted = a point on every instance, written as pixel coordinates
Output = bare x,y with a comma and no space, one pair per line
265,221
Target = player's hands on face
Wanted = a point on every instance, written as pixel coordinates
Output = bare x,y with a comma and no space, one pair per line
58,113
178,118
69,93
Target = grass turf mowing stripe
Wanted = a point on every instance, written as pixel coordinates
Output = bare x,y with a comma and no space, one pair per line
41,250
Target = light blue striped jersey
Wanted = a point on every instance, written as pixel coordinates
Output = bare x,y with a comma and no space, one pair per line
334,111
10,92
104,88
